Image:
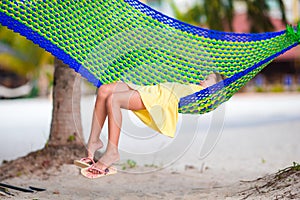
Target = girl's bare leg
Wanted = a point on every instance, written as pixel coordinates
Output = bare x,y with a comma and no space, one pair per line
129,100
100,113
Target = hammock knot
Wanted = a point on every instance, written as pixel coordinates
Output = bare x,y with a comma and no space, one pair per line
293,33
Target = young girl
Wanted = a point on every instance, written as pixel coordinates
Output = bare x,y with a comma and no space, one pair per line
156,106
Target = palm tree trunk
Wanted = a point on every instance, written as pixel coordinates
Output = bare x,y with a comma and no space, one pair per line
66,127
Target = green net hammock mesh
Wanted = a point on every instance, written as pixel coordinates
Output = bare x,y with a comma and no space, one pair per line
111,40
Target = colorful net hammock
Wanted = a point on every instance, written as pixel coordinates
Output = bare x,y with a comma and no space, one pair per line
112,40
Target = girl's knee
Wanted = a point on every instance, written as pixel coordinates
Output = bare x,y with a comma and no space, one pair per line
104,90
113,101
109,103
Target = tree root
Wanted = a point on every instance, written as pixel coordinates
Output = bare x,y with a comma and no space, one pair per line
38,162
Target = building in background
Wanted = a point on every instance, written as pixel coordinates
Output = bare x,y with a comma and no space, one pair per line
283,74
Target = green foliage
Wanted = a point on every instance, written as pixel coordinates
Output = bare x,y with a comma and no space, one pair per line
214,13
19,173
281,173
71,138
152,165
211,13
34,92
24,57
296,166
277,88
259,20
218,11
194,15
259,89
129,164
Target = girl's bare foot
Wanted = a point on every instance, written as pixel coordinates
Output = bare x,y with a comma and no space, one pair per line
92,147
109,157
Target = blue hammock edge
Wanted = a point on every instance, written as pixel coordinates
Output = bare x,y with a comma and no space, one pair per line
216,87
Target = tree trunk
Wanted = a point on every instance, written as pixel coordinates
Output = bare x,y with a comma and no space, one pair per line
66,127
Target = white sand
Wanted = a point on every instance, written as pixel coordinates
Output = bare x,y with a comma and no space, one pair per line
259,135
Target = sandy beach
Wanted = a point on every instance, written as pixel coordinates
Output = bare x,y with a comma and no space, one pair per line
214,156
